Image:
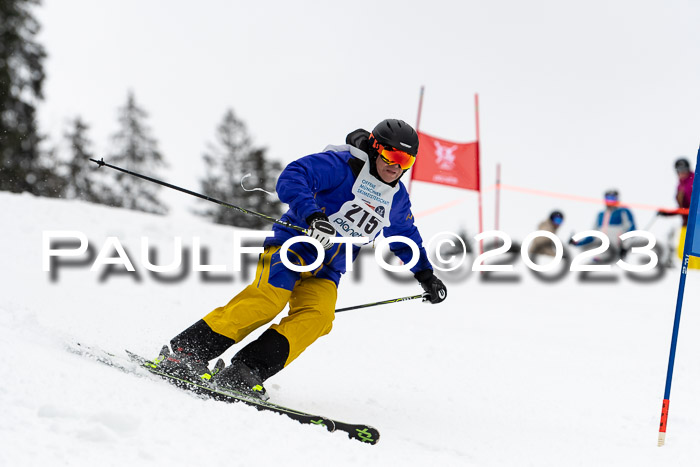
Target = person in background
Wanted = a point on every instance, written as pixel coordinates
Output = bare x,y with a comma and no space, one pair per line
683,192
543,245
613,221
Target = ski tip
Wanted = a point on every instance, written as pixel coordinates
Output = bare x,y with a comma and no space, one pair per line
366,434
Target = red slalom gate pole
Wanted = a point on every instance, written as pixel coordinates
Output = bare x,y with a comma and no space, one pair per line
498,195
420,110
478,170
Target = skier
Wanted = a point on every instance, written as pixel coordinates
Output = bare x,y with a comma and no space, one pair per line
613,221
542,245
683,192
343,190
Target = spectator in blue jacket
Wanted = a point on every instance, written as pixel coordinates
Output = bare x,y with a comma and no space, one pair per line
613,221
352,190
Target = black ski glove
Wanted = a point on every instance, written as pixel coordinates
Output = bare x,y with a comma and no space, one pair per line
433,286
321,229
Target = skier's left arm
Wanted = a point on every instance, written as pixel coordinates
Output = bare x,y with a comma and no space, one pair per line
402,225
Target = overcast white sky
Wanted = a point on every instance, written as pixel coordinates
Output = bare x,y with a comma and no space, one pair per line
575,97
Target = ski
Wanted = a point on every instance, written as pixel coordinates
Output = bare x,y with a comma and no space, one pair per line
364,433
360,432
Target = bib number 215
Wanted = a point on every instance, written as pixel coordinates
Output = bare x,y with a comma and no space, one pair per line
360,217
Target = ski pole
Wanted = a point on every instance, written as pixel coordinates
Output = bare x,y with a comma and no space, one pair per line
101,163
383,302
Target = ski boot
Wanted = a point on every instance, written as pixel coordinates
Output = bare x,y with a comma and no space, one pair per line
185,365
240,378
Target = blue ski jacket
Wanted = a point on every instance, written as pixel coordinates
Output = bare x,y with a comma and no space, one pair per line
613,222
323,182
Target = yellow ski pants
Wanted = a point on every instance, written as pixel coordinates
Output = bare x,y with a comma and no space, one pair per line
311,305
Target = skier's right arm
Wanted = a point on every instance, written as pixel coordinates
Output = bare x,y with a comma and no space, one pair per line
302,179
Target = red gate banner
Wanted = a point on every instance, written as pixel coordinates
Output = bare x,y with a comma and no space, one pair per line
447,163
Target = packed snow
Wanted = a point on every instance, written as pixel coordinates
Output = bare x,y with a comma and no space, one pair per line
503,373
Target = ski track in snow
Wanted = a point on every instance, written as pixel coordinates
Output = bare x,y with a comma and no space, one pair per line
525,374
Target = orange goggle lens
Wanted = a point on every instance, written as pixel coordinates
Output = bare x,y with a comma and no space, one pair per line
392,156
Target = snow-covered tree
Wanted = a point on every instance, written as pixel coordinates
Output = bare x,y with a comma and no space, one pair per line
135,149
227,162
23,165
84,180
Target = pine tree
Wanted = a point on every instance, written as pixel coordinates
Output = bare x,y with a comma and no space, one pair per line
227,162
23,166
84,180
136,150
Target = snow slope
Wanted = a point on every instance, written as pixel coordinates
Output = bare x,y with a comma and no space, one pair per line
520,373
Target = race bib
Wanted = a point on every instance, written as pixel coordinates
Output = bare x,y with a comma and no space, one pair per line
368,212
356,219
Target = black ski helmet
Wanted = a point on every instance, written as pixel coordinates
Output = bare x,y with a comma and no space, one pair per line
556,217
396,134
682,165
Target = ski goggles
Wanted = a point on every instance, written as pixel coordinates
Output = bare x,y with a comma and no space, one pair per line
557,220
393,156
